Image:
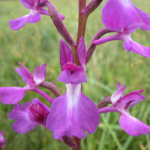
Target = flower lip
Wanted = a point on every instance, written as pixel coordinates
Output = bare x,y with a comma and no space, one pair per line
72,114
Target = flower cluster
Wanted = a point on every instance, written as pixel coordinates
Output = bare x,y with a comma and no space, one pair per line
122,104
73,114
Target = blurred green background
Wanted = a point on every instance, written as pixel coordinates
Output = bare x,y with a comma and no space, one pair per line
38,43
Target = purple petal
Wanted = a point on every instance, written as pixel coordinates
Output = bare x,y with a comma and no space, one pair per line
140,49
34,19
78,77
118,94
66,55
19,22
64,76
133,126
117,15
25,74
20,114
39,74
130,99
11,95
73,113
81,52
28,4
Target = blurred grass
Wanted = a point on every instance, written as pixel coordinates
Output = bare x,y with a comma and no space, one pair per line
38,43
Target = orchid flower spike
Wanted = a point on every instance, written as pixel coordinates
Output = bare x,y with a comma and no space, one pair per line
72,113
29,115
34,15
12,95
122,104
124,18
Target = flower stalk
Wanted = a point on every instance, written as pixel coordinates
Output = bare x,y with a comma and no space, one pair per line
61,28
92,46
51,87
